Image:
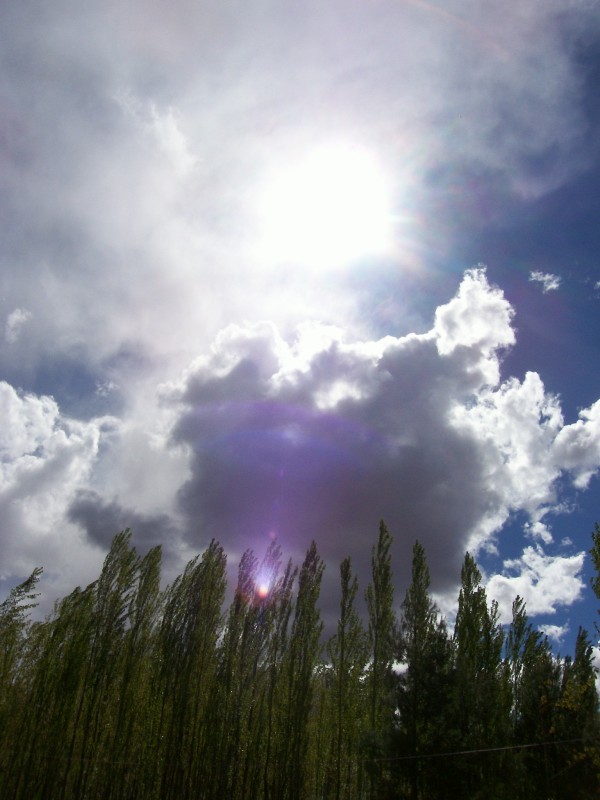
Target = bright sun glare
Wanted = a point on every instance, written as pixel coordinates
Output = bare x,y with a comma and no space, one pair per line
262,590
326,209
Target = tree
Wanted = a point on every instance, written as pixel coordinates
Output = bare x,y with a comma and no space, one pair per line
280,609
188,636
382,635
14,629
134,701
243,677
111,594
348,651
517,637
57,667
595,554
482,703
301,662
577,723
424,685
126,692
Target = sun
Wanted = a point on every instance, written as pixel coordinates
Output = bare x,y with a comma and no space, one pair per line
326,208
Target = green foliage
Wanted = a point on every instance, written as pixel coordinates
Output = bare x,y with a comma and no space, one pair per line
380,605
482,702
380,679
13,625
595,554
126,691
348,652
425,652
301,663
16,644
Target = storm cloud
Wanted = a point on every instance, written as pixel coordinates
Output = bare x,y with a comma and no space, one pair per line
322,437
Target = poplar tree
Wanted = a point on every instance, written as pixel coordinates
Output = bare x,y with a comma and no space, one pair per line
577,723
243,677
348,651
188,637
424,685
127,692
13,627
302,658
382,633
14,630
482,708
134,701
519,636
595,554
280,608
541,686
111,596
233,678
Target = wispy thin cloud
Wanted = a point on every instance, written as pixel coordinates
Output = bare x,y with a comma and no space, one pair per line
14,323
549,281
555,632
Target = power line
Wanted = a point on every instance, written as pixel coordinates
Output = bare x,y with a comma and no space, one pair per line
482,750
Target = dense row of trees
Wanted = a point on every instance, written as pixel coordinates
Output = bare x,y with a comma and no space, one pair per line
129,691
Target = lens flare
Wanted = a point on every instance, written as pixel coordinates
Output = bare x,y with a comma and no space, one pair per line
262,590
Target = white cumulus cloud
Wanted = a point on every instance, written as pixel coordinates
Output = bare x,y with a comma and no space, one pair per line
544,581
577,446
44,459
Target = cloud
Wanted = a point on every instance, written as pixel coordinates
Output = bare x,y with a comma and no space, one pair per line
45,458
478,321
134,486
555,632
104,388
132,154
314,436
14,323
577,446
321,437
68,486
102,519
515,425
172,141
596,664
549,281
566,541
132,164
544,581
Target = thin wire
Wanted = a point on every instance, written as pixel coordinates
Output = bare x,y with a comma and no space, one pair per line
482,750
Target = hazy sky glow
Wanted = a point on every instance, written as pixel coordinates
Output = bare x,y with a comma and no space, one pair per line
243,293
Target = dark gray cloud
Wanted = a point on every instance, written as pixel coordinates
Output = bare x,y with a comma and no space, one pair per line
102,520
326,446
322,438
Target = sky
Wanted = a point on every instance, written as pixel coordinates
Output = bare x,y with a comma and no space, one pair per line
280,270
